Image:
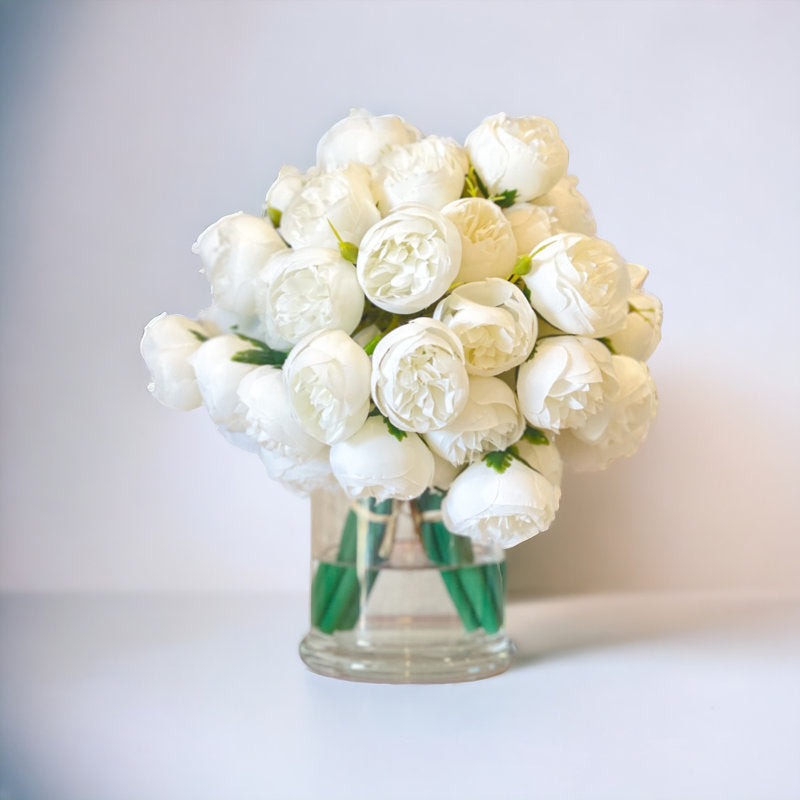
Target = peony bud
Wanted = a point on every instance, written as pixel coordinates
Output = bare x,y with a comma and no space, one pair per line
376,463
362,138
567,380
490,421
524,154
167,345
502,508
429,172
493,320
218,379
233,251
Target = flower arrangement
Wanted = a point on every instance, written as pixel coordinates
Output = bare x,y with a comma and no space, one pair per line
412,319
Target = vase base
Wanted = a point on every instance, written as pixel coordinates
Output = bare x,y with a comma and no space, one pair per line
416,654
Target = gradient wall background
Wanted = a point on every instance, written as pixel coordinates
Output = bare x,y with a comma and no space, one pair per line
127,127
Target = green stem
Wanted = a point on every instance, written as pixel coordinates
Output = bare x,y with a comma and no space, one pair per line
451,579
477,591
336,591
328,576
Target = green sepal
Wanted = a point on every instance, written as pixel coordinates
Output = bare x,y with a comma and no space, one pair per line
274,216
607,342
395,431
481,185
523,266
199,336
349,251
498,460
535,436
505,199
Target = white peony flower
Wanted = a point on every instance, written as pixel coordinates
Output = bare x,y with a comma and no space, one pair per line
409,259
641,333
167,344
579,284
638,275
543,457
301,476
430,172
233,251
567,380
444,473
309,290
488,247
490,421
328,379
218,379
374,463
567,208
362,138
418,376
269,418
284,189
618,429
530,224
502,508
493,320
524,153
340,198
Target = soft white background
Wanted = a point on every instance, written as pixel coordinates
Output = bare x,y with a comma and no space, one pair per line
126,128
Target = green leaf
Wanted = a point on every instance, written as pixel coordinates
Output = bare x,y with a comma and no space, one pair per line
505,199
535,436
274,216
527,292
607,342
498,460
272,358
262,355
395,431
199,336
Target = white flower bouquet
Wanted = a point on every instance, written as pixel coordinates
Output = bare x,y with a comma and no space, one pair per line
411,319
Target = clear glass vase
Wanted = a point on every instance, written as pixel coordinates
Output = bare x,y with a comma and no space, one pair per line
397,598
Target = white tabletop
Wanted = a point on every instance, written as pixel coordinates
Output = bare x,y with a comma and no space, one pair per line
173,697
